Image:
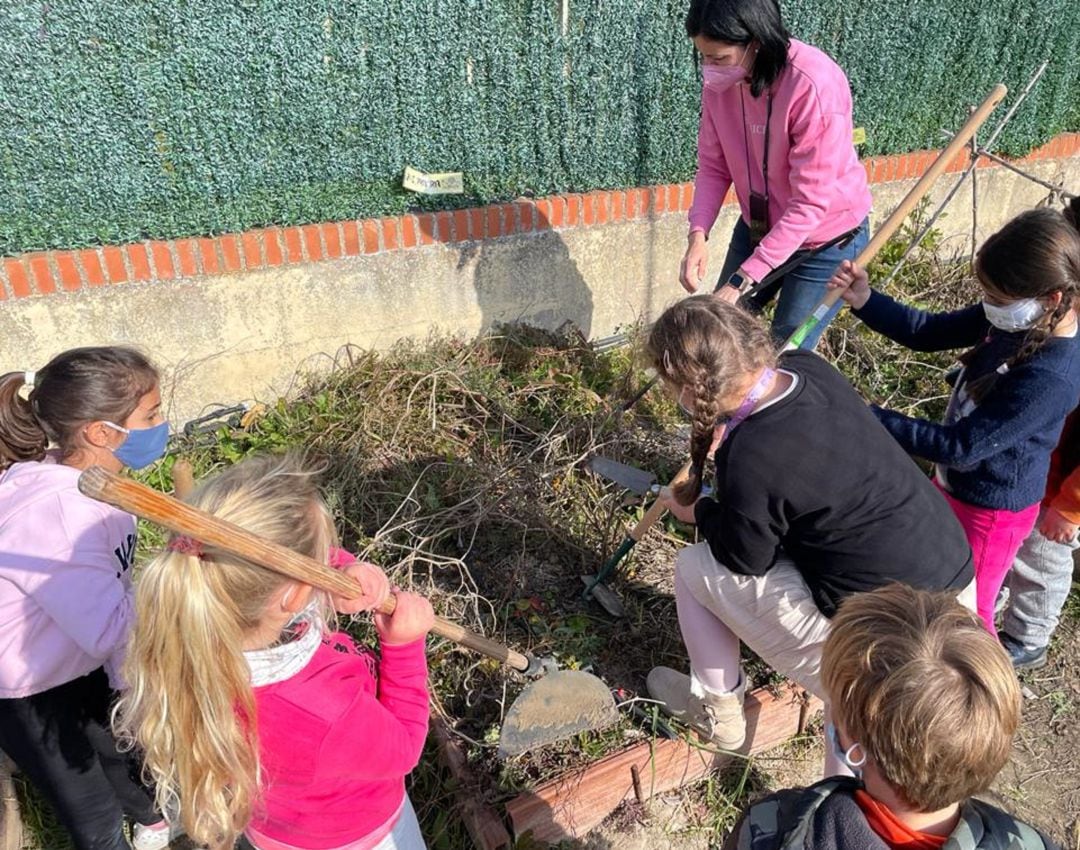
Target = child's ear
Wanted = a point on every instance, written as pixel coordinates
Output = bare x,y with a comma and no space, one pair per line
295,597
1054,299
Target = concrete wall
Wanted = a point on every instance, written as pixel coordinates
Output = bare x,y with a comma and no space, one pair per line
244,336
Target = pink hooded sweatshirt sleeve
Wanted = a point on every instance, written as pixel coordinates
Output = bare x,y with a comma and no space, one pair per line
66,600
817,186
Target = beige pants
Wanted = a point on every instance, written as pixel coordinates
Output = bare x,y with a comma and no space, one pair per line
773,614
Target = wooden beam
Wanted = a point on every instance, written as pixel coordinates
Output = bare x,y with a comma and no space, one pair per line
483,824
11,830
570,806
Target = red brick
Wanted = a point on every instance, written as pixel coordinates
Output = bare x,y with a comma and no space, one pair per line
573,210
139,261
509,218
426,224
618,205
371,236
461,225
312,239
70,278
41,273
251,241
331,239
476,223
493,225
18,279
114,263
408,231
659,199
687,199
230,252
163,262
208,255
674,190
444,227
558,211
644,203
588,209
294,244
526,216
350,232
389,227
630,200
601,202
272,244
542,214
185,254
3,290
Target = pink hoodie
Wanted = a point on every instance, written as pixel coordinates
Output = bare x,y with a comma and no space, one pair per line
65,580
817,187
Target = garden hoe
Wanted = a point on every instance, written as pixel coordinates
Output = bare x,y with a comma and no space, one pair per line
557,705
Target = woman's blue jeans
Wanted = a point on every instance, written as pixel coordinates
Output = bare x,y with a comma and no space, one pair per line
801,289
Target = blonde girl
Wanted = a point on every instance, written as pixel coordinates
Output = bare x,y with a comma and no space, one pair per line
253,715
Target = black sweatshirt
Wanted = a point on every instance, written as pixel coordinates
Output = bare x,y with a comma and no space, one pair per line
817,476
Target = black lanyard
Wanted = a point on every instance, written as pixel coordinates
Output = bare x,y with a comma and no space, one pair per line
746,142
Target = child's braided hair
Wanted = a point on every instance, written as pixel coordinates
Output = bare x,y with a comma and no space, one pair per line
711,347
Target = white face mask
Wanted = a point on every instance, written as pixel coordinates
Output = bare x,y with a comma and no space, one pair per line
1017,316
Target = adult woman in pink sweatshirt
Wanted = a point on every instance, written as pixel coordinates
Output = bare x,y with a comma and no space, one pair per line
775,124
66,599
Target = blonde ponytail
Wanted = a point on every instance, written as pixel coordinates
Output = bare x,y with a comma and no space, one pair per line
190,707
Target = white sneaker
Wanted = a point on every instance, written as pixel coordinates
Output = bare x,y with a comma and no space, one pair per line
154,837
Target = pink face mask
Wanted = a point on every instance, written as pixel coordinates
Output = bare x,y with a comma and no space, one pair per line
722,77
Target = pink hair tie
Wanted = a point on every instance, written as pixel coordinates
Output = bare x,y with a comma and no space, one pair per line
186,546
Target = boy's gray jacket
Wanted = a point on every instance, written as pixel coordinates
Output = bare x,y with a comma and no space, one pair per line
826,816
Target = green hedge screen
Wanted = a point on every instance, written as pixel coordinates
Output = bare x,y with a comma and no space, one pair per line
132,119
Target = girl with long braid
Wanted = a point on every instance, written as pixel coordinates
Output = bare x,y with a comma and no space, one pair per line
1016,384
813,502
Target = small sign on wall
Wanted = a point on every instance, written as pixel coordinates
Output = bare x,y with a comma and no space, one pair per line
444,183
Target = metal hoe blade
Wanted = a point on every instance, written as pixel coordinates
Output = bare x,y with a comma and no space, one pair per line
633,479
558,706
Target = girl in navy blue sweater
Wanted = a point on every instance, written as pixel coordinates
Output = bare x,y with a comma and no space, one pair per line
1016,384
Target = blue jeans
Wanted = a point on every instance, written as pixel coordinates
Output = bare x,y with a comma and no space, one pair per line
801,289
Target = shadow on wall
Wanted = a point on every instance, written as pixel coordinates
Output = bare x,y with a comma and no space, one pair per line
528,278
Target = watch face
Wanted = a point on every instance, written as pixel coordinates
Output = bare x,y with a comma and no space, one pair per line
736,280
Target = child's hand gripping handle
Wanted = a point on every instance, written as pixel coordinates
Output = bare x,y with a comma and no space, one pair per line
900,214
180,518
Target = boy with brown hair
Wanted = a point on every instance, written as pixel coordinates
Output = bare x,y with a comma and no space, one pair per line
925,704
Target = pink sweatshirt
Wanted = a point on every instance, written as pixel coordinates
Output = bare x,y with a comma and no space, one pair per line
335,743
65,580
817,187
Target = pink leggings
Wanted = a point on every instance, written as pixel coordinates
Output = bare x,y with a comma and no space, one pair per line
995,536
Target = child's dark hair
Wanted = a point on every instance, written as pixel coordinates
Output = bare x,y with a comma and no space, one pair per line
1033,256
710,346
743,22
75,388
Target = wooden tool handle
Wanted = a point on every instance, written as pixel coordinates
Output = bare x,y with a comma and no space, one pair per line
657,508
912,198
143,501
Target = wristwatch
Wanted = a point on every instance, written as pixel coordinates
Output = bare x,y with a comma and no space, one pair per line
738,281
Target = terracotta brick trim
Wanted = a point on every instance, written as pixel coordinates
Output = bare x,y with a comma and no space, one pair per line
57,272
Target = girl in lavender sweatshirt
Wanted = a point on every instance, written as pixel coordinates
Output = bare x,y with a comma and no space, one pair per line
776,125
253,713
65,584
